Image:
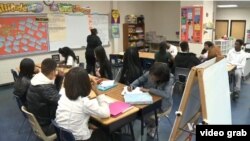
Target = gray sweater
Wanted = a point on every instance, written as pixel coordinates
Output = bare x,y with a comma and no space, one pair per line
164,90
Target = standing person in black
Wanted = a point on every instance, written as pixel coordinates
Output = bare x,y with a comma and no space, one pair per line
92,42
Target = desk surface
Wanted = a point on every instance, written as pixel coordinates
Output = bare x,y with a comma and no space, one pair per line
115,93
230,67
147,55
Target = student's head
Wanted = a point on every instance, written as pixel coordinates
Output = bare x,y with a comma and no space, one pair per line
93,31
159,73
131,55
100,54
184,46
27,67
66,51
237,45
73,83
208,45
163,46
49,68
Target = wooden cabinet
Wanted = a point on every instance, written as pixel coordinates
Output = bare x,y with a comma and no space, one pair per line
133,35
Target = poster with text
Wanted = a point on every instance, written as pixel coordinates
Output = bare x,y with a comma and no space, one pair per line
191,24
22,34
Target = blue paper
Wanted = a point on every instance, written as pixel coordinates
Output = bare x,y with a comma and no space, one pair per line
144,98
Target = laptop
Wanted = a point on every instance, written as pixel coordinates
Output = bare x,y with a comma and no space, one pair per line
108,84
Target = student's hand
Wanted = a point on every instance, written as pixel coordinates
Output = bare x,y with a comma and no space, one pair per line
60,73
144,89
130,88
94,87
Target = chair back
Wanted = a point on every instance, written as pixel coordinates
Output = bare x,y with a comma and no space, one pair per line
56,57
116,60
62,133
36,127
147,63
14,74
181,74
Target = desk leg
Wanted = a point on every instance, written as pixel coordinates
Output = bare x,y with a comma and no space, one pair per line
156,124
132,131
142,127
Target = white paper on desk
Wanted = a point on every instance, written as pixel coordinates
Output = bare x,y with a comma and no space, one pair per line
107,83
135,91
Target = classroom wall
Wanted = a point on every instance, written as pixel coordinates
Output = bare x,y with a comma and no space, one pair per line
103,7
166,18
234,14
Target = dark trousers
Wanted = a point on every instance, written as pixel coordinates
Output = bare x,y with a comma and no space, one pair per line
90,59
97,135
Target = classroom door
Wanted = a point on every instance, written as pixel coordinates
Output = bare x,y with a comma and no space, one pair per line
238,29
221,28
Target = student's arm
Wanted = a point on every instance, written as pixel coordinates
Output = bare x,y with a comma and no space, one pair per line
229,57
242,63
141,80
165,92
99,42
101,109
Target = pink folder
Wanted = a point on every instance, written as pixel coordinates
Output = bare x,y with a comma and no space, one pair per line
118,108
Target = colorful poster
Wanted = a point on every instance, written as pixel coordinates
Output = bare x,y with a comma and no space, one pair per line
191,24
115,18
21,34
115,31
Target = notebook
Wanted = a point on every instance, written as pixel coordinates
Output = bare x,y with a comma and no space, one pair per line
118,107
140,98
108,84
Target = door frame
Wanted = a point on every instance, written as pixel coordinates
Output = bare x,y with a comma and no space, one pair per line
223,21
244,27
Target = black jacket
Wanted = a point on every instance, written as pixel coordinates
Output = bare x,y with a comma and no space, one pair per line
92,42
42,102
186,60
21,88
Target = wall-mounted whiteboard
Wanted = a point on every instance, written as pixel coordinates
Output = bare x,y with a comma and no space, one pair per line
77,29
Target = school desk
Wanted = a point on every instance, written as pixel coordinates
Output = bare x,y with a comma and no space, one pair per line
113,124
143,55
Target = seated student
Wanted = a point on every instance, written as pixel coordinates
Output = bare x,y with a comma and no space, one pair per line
172,49
42,96
132,68
213,51
105,66
237,57
69,55
75,108
158,81
203,56
185,59
27,70
162,55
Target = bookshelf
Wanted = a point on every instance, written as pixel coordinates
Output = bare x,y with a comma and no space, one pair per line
133,35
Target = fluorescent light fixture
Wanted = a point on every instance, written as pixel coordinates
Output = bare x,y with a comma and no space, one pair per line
227,6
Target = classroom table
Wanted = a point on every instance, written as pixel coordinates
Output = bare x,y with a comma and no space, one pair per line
144,55
111,124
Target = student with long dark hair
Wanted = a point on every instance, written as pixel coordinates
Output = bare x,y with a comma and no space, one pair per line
75,108
132,68
27,70
104,64
162,55
69,55
93,41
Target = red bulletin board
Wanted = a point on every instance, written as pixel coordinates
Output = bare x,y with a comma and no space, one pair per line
22,34
191,24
